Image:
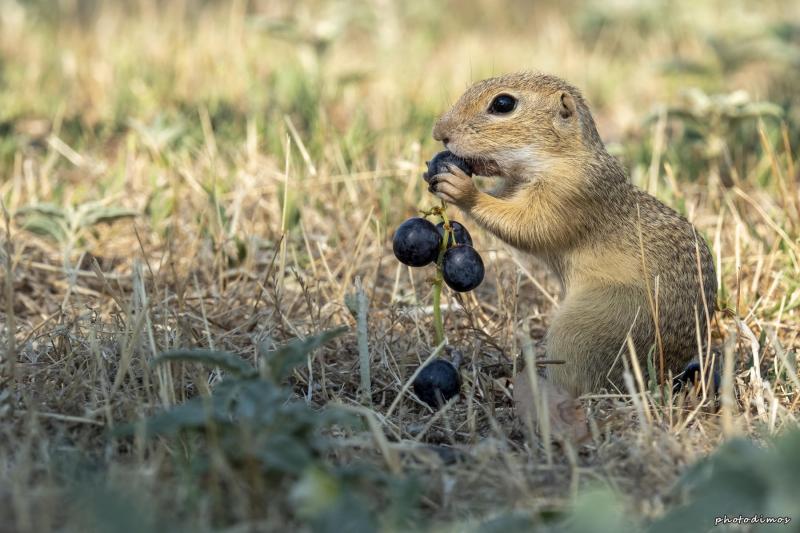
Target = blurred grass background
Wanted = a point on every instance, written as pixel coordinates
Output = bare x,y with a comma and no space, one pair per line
233,167
372,75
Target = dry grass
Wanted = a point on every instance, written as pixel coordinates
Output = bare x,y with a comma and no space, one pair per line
268,151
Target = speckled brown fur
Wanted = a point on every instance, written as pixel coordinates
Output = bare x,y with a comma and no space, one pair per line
566,200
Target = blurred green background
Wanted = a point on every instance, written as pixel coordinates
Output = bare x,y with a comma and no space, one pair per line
374,74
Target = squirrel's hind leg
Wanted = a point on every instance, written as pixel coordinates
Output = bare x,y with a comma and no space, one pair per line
589,334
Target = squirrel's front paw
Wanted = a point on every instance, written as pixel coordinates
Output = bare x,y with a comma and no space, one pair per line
454,187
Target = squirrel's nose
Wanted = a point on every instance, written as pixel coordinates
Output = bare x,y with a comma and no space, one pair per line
439,136
440,132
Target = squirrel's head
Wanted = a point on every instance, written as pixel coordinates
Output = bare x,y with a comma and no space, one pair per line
519,125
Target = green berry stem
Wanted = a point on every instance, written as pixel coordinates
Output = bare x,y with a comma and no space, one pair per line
437,310
438,279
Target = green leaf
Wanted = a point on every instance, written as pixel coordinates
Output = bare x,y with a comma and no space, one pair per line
508,521
194,414
48,210
350,513
284,453
45,225
280,362
103,507
159,134
316,491
741,478
45,219
351,304
652,374
225,360
99,215
757,109
598,511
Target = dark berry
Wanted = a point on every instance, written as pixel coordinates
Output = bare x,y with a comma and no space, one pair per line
438,164
438,376
416,242
460,235
462,268
691,376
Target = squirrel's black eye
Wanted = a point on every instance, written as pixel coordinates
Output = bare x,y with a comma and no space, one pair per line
503,103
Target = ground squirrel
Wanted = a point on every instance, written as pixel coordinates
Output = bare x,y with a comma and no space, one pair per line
622,256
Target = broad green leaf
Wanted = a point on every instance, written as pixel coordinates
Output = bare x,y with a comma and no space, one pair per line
46,225
350,513
756,109
193,414
48,210
105,214
282,360
316,491
507,521
741,478
225,360
598,511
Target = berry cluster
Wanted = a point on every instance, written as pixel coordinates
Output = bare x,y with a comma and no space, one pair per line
418,242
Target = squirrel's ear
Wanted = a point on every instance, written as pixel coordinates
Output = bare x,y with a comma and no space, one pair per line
567,108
